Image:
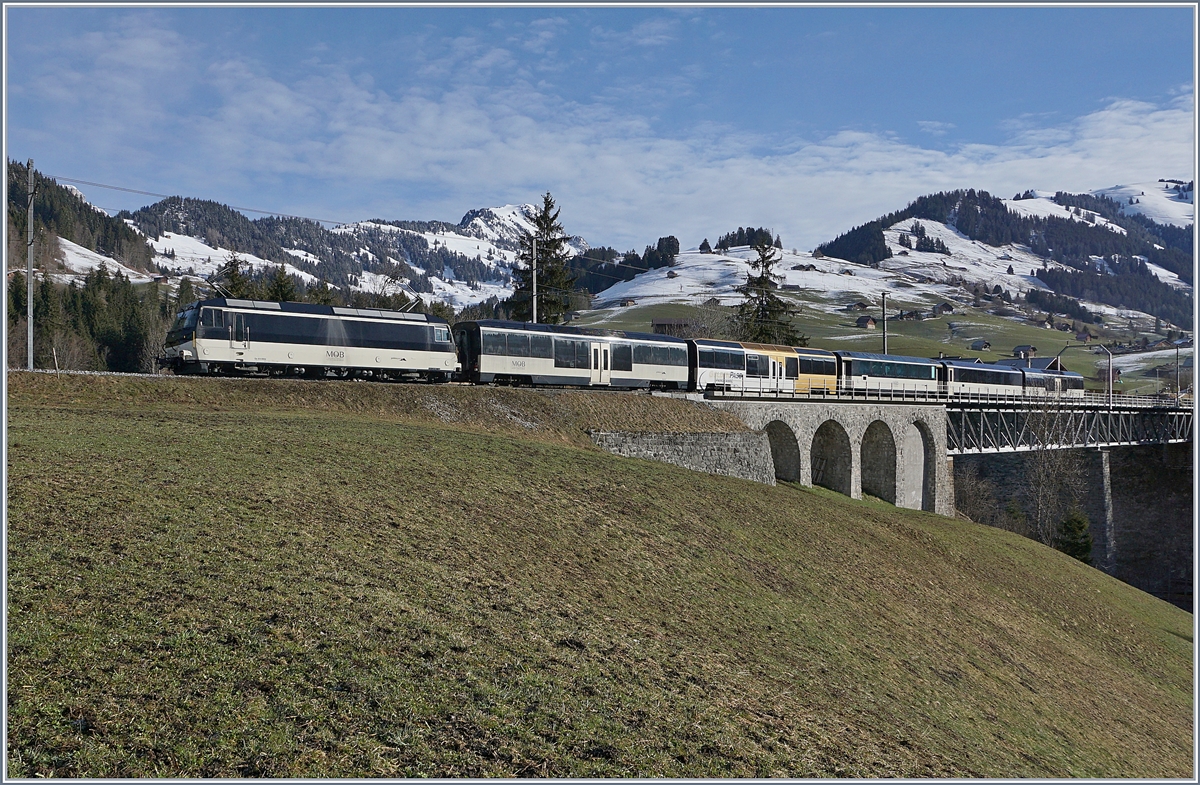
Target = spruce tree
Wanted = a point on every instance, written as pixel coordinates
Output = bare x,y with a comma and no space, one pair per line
705,247
1074,537
554,280
185,295
764,317
281,289
232,280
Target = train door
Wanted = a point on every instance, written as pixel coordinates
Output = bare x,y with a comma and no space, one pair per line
239,333
601,364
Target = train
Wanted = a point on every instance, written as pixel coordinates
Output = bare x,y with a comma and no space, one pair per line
233,336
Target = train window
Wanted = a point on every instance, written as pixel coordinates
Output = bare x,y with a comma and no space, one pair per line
642,354
518,345
707,358
806,365
541,346
212,317
441,334
752,368
494,343
678,356
622,357
661,355
582,359
731,361
792,367
564,353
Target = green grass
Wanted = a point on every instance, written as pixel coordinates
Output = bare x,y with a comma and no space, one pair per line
337,579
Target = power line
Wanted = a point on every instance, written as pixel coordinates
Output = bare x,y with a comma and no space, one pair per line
177,196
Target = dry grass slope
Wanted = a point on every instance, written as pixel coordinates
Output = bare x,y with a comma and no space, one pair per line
334,579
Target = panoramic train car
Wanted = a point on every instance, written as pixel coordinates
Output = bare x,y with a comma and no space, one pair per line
1044,383
967,378
863,372
252,336
817,371
504,352
770,368
715,365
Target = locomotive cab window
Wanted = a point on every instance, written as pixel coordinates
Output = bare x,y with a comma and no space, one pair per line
441,334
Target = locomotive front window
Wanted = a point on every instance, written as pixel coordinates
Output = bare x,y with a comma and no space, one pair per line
212,317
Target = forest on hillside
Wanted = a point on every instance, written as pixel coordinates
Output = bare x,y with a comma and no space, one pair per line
985,218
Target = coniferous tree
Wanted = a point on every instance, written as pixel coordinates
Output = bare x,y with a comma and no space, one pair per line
764,317
281,289
185,295
555,282
705,247
1074,536
230,278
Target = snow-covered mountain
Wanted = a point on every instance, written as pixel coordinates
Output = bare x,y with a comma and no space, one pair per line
470,261
913,280
1164,202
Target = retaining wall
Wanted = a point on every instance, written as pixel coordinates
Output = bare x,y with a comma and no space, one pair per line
745,454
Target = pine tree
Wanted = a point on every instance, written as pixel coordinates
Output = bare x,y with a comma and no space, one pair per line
1074,536
319,294
185,296
281,289
705,247
232,280
554,280
764,317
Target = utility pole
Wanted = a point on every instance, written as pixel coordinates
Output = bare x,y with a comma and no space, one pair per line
535,279
884,313
1178,391
29,260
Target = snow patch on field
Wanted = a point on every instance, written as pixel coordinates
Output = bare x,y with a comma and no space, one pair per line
1159,202
80,261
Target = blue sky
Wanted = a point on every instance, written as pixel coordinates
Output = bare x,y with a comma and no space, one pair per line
641,122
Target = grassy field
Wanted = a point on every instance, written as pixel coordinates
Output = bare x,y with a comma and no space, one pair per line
336,579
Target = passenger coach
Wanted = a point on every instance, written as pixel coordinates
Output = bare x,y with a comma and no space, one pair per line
504,352
253,336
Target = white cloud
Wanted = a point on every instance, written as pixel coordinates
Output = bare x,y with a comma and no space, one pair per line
473,129
934,127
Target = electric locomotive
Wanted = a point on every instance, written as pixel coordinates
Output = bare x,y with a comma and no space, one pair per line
227,335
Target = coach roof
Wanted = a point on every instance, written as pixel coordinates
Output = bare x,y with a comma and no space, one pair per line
501,324
315,309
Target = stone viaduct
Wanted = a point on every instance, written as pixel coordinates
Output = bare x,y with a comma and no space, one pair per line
894,452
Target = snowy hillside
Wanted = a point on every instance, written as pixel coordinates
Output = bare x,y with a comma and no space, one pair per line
1158,201
1044,206
913,280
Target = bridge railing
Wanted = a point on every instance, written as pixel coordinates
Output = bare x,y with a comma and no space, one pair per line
916,392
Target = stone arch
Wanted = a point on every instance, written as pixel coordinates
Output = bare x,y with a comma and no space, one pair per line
831,456
917,478
879,461
785,450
